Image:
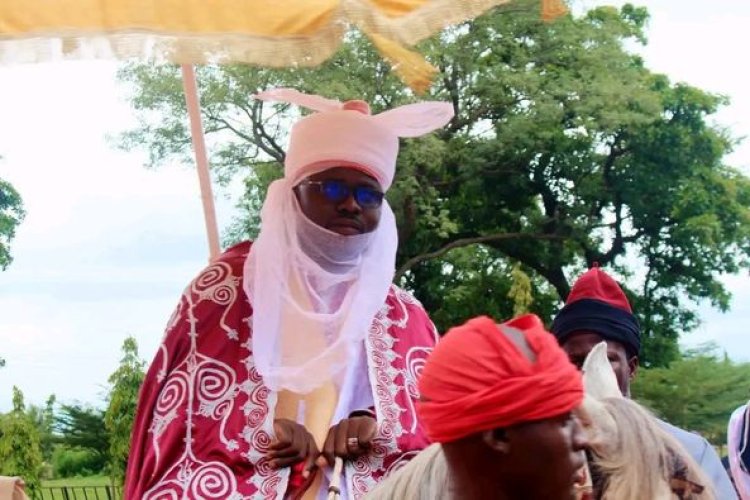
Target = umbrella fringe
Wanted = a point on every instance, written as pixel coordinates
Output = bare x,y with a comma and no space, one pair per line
552,9
409,65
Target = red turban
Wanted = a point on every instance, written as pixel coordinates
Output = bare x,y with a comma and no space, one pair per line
477,379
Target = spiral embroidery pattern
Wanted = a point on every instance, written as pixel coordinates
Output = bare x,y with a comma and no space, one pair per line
213,480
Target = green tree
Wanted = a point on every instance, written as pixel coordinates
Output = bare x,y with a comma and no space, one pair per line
20,453
11,215
565,150
44,419
698,392
125,383
75,462
82,428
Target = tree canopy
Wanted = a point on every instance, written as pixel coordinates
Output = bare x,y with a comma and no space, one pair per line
11,215
125,383
698,392
565,151
20,453
81,426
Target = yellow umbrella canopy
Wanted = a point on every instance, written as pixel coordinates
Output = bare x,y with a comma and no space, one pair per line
274,33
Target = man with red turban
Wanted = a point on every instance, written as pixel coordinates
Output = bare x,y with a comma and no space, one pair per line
499,401
597,310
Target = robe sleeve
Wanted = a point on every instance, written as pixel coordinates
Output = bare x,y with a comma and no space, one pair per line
201,428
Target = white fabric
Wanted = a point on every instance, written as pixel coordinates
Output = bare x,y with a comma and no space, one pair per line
315,293
734,438
309,314
356,394
346,132
366,143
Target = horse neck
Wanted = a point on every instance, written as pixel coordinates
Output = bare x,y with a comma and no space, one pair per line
642,458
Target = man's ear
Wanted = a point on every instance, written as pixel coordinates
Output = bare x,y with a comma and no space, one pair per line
497,440
633,366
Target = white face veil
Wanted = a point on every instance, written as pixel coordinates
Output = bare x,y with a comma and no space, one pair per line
315,293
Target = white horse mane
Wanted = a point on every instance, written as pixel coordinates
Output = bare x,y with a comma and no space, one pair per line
634,454
425,477
636,458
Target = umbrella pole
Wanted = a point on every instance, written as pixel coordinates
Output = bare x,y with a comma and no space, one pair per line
201,158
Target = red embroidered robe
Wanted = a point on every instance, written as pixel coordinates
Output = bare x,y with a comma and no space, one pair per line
205,419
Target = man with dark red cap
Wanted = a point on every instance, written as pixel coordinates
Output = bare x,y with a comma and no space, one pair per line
598,310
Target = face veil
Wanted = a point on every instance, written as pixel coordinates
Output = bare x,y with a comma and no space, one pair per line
315,293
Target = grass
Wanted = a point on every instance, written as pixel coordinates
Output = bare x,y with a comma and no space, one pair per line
77,488
77,481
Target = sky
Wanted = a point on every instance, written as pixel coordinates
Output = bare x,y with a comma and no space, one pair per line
108,246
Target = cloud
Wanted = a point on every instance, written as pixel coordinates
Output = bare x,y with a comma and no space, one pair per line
107,246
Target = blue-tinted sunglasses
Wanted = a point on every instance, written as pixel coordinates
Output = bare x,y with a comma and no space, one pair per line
337,191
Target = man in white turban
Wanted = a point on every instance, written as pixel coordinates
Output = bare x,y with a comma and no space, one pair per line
289,353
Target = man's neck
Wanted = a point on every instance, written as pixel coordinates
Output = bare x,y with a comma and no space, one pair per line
476,480
478,488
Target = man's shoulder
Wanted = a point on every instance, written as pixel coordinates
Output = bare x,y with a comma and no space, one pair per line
694,443
224,270
398,294
234,257
404,309
705,455
235,254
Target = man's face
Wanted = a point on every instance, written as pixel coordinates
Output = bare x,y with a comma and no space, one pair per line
578,346
341,199
547,455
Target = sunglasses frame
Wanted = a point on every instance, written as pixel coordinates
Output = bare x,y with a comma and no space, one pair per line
349,191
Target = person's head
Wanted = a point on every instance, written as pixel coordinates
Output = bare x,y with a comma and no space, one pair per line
341,160
625,364
518,451
501,399
597,310
341,199
325,256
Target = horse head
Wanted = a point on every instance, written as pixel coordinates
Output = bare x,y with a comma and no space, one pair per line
632,456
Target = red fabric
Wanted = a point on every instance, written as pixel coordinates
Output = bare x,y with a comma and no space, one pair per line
596,284
204,419
477,380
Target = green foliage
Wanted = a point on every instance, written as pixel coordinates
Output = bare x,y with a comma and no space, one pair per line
520,291
44,420
20,453
82,428
75,462
123,399
564,151
457,277
698,392
11,215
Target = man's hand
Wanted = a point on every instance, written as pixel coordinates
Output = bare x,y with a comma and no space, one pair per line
349,439
292,444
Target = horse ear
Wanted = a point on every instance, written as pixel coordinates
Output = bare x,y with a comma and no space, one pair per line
599,379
